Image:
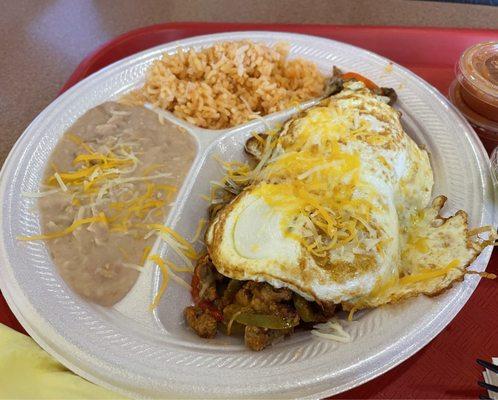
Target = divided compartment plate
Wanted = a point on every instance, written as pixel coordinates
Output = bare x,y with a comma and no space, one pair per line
143,354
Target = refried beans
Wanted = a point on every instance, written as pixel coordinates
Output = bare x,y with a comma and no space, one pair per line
114,172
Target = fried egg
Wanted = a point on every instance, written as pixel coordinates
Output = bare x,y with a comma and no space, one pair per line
338,210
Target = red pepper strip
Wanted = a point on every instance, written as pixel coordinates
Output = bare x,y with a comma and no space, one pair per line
353,75
195,287
203,304
211,309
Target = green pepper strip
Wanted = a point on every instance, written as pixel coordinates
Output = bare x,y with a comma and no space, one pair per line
304,309
264,321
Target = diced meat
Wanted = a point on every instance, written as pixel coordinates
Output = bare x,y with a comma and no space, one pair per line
207,279
388,92
328,310
269,293
265,299
210,293
204,324
267,304
334,85
257,338
244,296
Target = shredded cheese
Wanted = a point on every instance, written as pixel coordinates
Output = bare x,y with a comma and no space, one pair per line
61,183
422,275
230,323
133,266
331,330
187,247
40,194
177,248
200,226
162,288
76,139
428,273
75,225
167,272
312,179
100,178
146,253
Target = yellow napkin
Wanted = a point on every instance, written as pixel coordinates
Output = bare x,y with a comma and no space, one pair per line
28,372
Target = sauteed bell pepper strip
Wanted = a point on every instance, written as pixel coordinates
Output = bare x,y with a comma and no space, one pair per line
264,321
303,309
354,75
203,304
211,309
195,287
245,316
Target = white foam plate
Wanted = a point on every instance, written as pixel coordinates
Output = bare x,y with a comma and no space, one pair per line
143,354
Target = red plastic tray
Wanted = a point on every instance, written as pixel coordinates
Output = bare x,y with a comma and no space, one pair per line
445,368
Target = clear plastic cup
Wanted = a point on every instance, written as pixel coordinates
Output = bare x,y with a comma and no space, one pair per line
475,90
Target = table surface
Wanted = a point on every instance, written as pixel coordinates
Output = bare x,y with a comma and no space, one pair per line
43,41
